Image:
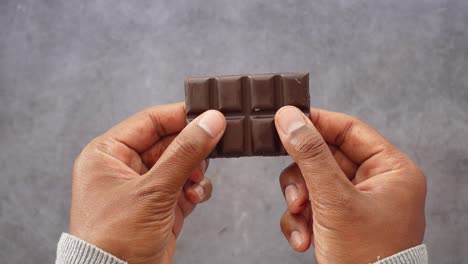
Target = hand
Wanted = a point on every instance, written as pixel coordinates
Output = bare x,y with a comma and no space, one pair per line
350,193
134,185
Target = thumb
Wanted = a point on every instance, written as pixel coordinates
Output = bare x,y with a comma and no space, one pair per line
326,182
193,144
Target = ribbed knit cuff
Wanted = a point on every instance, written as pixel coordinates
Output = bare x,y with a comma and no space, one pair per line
72,250
414,255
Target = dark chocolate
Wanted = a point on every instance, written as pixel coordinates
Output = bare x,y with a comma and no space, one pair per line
249,103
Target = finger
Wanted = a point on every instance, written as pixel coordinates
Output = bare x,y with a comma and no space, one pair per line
188,149
189,200
122,153
297,231
353,137
199,173
294,188
325,181
186,206
183,209
346,164
198,192
142,130
178,221
153,153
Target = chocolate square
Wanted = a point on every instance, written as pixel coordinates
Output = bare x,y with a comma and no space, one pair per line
229,94
264,137
296,90
233,138
260,90
197,95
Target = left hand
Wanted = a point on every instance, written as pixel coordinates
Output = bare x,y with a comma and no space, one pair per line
134,185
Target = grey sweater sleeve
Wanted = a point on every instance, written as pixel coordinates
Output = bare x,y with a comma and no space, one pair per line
72,250
414,255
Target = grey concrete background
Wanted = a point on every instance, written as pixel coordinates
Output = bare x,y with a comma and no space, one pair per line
71,69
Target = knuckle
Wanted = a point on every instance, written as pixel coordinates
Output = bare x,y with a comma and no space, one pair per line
290,169
155,120
351,119
156,193
310,146
208,187
86,154
284,175
290,174
348,127
284,223
207,191
105,145
187,146
336,201
206,197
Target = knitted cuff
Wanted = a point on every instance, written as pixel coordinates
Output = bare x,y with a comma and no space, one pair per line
72,250
414,255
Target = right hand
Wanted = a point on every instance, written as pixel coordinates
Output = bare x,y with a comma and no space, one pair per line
350,193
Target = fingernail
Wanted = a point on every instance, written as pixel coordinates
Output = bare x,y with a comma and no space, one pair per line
290,119
291,192
212,122
198,189
203,166
296,239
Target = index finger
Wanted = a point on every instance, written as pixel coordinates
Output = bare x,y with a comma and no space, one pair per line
356,140
142,130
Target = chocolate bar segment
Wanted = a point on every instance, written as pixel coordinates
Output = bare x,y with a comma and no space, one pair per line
229,94
260,93
264,141
232,142
249,103
296,90
197,92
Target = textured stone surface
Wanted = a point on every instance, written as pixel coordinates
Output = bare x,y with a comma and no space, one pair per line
71,69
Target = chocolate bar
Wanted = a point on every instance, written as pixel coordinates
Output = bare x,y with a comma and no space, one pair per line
249,103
